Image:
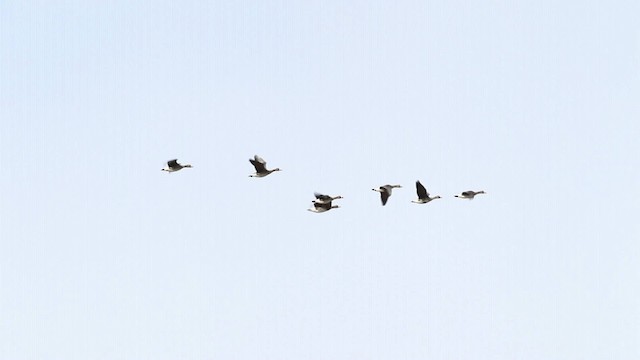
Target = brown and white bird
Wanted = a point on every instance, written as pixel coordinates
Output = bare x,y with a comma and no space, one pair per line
323,199
423,195
260,165
469,194
322,207
385,192
173,166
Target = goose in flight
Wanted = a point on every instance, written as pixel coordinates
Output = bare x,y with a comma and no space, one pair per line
423,195
173,166
322,207
385,192
323,199
469,194
260,165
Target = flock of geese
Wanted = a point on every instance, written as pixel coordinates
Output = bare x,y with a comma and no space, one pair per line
323,202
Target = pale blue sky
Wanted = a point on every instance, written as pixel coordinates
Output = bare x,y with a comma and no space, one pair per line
103,256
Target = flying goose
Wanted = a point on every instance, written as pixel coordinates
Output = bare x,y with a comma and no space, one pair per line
260,165
423,195
322,207
323,199
173,166
385,192
469,194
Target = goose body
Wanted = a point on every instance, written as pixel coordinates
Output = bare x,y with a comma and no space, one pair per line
469,194
423,195
322,207
261,167
173,166
323,199
385,192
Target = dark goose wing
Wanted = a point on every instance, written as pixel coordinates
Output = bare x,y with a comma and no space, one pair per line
384,195
422,192
322,197
173,163
258,163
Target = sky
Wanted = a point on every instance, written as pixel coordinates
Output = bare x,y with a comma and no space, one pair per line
104,256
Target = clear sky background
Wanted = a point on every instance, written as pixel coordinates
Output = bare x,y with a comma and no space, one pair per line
103,256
